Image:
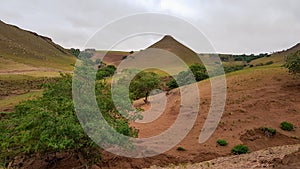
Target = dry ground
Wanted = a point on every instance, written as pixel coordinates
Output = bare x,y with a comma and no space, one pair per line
258,97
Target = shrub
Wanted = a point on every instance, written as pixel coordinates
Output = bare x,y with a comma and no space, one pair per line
269,63
181,149
172,84
49,123
105,72
222,142
293,63
240,149
286,126
268,131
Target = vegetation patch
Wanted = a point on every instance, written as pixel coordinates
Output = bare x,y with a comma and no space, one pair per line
180,149
49,124
269,132
240,149
293,63
286,126
222,142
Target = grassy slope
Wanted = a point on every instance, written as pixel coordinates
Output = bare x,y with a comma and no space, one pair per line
278,57
10,102
26,49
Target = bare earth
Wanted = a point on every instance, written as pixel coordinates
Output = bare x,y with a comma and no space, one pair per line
267,158
255,98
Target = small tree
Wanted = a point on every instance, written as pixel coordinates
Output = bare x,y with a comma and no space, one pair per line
293,63
143,83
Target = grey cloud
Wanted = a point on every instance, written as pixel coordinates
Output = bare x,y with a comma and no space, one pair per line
232,26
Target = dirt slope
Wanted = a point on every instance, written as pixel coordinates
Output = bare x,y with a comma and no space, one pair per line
170,44
256,98
260,97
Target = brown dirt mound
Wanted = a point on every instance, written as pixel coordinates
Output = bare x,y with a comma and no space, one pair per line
290,161
49,161
257,139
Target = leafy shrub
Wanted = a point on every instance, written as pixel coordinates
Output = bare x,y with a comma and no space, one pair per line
222,142
172,84
286,126
268,131
181,149
269,63
197,73
228,69
49,123
293,63
105,72
240,149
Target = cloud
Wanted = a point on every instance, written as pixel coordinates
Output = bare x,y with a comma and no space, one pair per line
232,26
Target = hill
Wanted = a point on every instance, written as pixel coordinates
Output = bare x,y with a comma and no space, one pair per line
23,50
278,57
172,45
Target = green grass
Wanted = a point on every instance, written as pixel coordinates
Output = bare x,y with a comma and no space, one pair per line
278,59
10,102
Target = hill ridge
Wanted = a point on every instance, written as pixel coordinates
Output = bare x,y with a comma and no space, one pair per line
29,48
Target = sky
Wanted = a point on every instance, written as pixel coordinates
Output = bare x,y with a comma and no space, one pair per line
231,26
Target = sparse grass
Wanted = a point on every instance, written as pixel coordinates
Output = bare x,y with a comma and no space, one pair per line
286,126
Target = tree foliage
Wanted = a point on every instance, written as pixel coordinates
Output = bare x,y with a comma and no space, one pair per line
105,72
293,63
197,72
49,123
143,83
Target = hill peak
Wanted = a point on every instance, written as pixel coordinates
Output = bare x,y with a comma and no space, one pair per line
168,37
170,44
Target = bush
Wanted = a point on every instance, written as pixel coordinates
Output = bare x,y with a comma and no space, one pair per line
286,126
172,84
105,72
293,63
240,149
269,63
268,131
222,142
181,149
49,123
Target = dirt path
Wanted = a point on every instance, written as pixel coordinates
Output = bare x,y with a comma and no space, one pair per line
32,70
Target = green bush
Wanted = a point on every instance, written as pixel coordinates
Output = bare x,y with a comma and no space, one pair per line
268,131
269,63
286,126
222,142
172,84
293,63
105,72
181,149
49,123
240,149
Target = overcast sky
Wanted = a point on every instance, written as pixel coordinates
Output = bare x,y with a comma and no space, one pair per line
232,26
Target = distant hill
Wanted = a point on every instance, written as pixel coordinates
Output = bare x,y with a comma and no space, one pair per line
172,45
167,43
25,50
278,58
